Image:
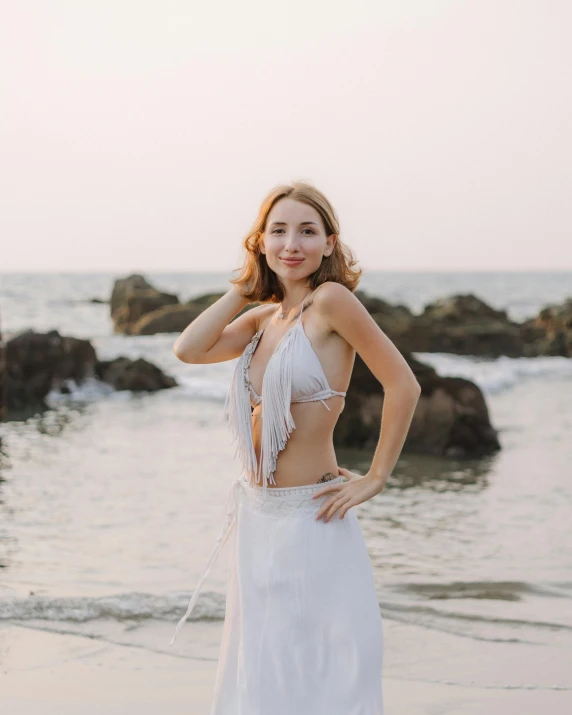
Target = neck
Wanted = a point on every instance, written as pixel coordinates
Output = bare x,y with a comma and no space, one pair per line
290,301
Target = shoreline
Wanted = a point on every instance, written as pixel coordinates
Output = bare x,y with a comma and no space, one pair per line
47,672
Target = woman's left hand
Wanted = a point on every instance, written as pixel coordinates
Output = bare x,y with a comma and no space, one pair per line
348,494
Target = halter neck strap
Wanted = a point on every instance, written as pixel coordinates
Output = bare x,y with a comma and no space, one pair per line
302,308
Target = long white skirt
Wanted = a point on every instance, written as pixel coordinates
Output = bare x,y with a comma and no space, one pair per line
303,631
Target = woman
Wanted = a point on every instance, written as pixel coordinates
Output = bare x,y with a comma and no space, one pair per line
303,632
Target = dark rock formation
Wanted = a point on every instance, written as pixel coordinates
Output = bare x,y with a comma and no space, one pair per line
3,377
168,319
125,374
139,309
460,324
132,298
175,318
123,287
464,325
37,363
550,333
451,417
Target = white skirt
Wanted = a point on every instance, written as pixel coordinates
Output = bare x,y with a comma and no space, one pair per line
303,631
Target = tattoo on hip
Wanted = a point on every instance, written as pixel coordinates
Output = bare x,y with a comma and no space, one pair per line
326,477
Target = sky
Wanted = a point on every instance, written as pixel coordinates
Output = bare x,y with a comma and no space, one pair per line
143,136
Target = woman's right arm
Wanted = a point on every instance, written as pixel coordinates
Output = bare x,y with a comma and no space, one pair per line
212,337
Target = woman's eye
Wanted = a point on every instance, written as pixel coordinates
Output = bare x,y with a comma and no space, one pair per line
306,229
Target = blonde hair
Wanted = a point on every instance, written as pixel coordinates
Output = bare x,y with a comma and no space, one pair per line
339,266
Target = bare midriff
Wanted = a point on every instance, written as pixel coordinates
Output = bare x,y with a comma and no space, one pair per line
309,456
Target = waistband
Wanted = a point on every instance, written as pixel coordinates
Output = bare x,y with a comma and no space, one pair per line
278,502
277,492
285,502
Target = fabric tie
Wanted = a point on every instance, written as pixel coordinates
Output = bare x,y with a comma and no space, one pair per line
229,522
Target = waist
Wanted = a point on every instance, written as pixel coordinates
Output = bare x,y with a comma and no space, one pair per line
284,501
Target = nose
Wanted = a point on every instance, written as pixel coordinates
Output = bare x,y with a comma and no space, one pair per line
291,240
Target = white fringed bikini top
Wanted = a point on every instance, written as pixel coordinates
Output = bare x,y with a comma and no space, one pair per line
294,373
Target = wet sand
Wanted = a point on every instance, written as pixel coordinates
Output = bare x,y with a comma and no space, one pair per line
49,673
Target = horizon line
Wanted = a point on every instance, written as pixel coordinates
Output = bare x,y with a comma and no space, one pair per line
101,271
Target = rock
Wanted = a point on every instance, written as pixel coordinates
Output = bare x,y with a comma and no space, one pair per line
132,298
3,378
125,374
37,363
483,340
451,417
168,319
463,325
123,286
175,318
462,309
139,304
550,333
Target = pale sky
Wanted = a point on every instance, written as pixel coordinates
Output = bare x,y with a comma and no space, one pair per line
139,135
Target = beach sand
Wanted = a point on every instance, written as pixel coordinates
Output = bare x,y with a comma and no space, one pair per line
61,673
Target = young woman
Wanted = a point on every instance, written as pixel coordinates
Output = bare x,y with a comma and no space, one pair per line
303,631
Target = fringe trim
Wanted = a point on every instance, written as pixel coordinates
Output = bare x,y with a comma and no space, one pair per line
277,421
238,413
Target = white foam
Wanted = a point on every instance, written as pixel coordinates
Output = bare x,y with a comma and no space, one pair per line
91,390
499,374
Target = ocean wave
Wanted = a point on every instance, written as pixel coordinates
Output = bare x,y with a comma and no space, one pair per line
491,375
475,623
212,389
120,607
90,390
499,374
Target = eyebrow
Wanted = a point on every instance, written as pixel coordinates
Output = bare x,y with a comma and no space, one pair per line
283,223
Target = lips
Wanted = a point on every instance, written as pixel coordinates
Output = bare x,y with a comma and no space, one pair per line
292,261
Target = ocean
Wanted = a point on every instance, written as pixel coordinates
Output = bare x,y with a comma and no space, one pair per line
111,502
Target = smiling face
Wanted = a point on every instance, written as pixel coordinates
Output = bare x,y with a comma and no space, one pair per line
294,241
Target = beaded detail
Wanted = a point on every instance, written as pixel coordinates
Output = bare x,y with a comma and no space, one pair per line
252,345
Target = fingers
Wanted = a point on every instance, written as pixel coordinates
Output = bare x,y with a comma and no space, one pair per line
322,510
330,507
345,507
327,490
340,501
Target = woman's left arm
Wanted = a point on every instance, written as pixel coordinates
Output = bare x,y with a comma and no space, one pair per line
347,316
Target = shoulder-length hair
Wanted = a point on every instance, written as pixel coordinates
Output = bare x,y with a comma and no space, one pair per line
264,284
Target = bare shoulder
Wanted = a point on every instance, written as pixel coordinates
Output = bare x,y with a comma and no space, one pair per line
331,298
330,290
344,314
